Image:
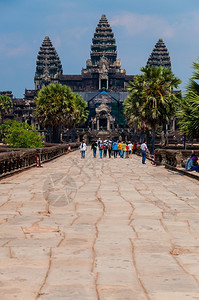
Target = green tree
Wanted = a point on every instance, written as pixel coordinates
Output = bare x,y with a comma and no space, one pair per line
56,106
80,112
188,112
151,101
79,115
5,106
20,135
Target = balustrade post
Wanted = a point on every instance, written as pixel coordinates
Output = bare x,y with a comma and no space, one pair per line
179,159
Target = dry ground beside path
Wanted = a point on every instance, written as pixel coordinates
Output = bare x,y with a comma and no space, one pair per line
99,229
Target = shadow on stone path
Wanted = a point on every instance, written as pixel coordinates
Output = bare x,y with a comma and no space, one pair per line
99,229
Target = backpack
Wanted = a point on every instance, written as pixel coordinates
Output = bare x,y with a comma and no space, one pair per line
101,147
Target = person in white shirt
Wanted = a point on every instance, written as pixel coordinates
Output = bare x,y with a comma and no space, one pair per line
83,148
130,149
144,149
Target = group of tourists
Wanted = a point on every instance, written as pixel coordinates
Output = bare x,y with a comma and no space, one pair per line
114,148
126,149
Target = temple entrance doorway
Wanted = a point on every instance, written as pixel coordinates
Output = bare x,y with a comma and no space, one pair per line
103,123
104,83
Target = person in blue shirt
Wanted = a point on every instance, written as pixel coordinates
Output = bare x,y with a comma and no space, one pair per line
192,164
115,149
101,147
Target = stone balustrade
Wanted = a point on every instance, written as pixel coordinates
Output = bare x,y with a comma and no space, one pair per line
174,158
15,160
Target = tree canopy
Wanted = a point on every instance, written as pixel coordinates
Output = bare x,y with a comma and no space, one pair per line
80,113
188,111
151,100
57,105
54,105
20,135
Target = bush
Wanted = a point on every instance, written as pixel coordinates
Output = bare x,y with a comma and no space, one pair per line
20,135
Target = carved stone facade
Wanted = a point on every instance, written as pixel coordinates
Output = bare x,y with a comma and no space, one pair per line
103,118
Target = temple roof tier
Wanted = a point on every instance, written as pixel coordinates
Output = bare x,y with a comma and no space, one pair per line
104,45
159,56
48,64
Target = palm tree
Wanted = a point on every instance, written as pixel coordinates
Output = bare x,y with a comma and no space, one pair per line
151,101
80,112
188,112
55,107
5,106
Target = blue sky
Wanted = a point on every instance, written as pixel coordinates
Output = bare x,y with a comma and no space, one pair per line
137,26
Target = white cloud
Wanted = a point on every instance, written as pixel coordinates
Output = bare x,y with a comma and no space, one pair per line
137,23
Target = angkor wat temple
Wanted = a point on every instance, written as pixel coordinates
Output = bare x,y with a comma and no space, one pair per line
102,83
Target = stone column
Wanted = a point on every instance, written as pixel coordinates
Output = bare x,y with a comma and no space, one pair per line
97,124
99,84
108,123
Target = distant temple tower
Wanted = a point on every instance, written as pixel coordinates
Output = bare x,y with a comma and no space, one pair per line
159,56
48,66
103,66
103,70
104,45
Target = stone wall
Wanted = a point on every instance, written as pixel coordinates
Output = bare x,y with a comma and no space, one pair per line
15,160
175,158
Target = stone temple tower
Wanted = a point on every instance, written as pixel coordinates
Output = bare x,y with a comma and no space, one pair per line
103,65
48,66
104,44
159,56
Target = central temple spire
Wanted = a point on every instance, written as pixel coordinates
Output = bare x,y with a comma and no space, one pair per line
104,45
103,67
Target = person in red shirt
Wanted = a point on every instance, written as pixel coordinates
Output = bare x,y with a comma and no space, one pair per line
127,151
134,147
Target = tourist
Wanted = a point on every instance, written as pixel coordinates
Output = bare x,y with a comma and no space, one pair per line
134,147
99,142
83,148
195,163
144,149
115,149
130,149
192,164
109,148
189,163
101,147
127,150
120,149
105,148
123,150
94,148
69,148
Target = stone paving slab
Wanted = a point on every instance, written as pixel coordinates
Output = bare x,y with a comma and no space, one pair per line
99,229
